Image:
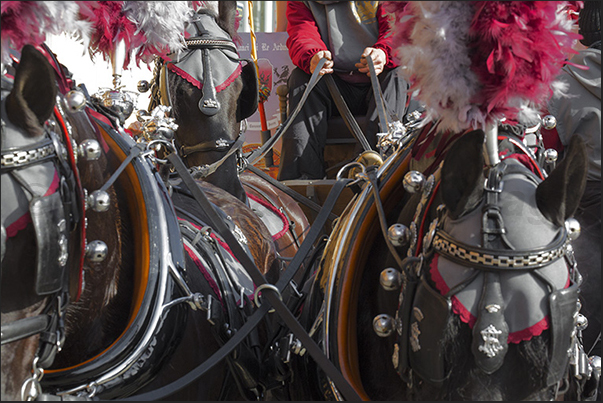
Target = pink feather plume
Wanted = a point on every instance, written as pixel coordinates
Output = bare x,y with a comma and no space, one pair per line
475,62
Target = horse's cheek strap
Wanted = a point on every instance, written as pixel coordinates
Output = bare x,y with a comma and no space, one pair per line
426,328
563,308
48,217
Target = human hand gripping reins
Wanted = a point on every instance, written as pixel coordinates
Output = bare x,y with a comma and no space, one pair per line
378,56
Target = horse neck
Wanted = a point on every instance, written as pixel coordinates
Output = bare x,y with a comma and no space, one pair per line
226,178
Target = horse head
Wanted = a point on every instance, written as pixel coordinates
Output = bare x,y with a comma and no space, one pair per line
490,295
211,93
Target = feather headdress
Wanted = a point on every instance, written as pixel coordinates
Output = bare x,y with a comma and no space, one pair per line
28,22
476,62
148,28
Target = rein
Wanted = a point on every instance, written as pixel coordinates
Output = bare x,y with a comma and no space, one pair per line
273,297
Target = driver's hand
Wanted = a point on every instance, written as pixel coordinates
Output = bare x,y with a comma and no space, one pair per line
379,61
327,68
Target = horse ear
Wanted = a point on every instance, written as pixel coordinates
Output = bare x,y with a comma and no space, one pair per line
462,174
249,97
558,196
227,13
32,99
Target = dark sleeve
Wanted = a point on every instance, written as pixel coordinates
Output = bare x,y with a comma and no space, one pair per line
304,40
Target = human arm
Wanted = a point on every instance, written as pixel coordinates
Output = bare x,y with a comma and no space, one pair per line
304,41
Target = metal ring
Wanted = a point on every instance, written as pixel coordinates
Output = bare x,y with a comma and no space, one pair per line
347,167
269,287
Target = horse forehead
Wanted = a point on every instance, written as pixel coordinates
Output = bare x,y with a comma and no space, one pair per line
525,226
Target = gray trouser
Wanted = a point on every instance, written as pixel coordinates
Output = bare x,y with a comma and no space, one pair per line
302,152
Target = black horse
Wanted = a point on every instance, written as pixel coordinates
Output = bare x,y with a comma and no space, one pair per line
211,91
119,287
468,290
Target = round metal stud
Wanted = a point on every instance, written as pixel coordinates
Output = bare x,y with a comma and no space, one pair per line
581,322
96,251
573,228
550,155
383,325
89,149
398,234
76,100
595,363
390,279
143,86
99,201
549,122
413,181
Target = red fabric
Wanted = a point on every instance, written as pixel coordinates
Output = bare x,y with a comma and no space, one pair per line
304,40
466,316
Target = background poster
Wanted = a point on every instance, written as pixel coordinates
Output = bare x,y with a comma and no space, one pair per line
275,66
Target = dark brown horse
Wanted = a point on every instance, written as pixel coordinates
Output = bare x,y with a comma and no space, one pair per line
211,91
99,297
415,298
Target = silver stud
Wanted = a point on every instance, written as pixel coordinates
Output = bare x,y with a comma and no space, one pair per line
573,228
549,122
99,201
96,251
550,155
383,325
398,234
75,100
581,322
390,279
89,149
413,181
143,86
595,363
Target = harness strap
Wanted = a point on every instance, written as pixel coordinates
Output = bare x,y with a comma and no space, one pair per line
206,170
259,314
379,102
24,328
295,195
348,118
258,153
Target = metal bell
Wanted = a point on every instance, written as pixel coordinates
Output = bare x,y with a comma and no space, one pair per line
75,100
398,234
549,122
413,181
550,155
390,279
89,149
96,251
143,86
383,325
99,201
573,228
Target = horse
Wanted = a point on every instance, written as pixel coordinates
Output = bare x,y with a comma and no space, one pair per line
106,266
211,93
433,309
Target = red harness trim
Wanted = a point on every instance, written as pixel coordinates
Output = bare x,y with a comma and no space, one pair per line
82,207
276,211
198,84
